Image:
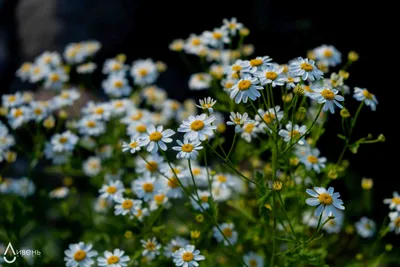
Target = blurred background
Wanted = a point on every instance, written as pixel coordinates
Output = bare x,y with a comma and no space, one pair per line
281,29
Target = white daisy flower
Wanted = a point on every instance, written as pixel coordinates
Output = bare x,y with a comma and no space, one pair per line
176,45
200,81
187,256
86,68
249,131
11,101
134,115
92,166
57,158
88,125
66,98
269,117
292,134
291,82
253,260
38,73
174,245
59,193
155,138
306,69
244,89
232,25
204,196
365,227
151,247
137,129
198,127
125,206
326,201
328,54
333,226
199,174
49,58
91,47
239,69
239,120
18,116
113,65
144,72
227,231
145,187
159,200
364,95
112,190
394,202
74,53
24,71
194,44
116,85
120,106
113,259
327,96
139,212
223,180
312,160
132,146
217,38
187,149
153,165
394,224
101,111
40,110
172,186
207,104
64,142
79,255
258,63
55,79
272,74
101,205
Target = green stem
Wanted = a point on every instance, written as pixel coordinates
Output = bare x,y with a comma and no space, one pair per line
274,209
194,182
258,113
287,217
233,144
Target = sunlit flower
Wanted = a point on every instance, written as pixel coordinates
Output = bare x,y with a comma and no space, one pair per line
250,130
112,190
86,68
291,82
200,81
187,256
177,45
55,79
364,95
228,232
259,63
125,206
365,227
394,202
207,104
174,245
151,247
52,59
272,74
216,38
253,260
198,127
113,65
194,44
113,259
326,96
306,69
18,116
13,100
79,255
187,149
394,224
24,71
232,25
244,89
237,70
66,98
91,126
326,201
144,72
145,187
293,134
64,142
269,117
116,85
155,138
328,54
312,160
132,146
204,196
92,166
239,120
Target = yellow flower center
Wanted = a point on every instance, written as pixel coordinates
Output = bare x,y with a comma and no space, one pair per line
12,98
367,94
312,159
173,182
63,139
148,187
308,88
253,263
99,111
328,94
133,145
248,128
37,111
197,125
235,75
112,260
285,69
141,128
232,25
152,166
150,246
143,72
325,199
175,248
256,62
227,232
47,59
222,178
397,222
155,137
236,68
271,75
159,198
64,95
91,124
244,85
306,66
54,77
204,198
137,116
196,171
294,134
26,67
187,148
80,255
217,35
93,165
127,204
196,41
116,66
118,104
111,189
269,117
187,256
18,112
396,200
139,213
290,80
118,84
328,53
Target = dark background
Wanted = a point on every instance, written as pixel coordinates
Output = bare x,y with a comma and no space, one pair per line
280,29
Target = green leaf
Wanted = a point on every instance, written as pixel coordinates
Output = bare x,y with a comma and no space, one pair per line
341,136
